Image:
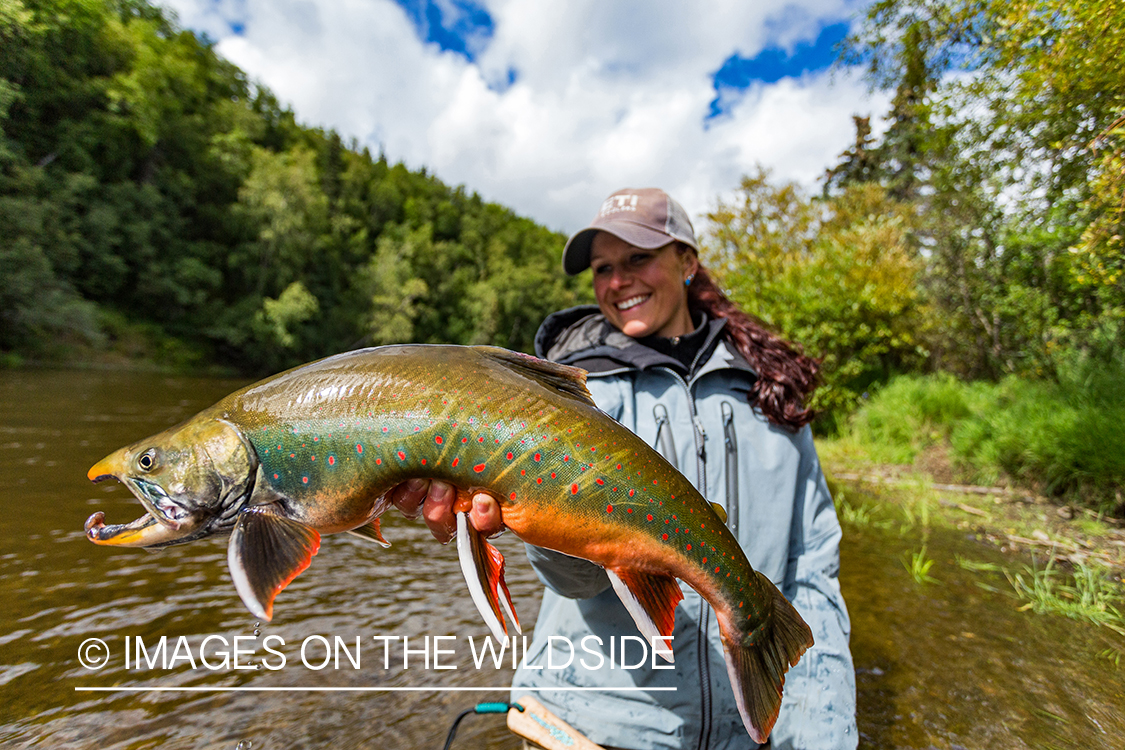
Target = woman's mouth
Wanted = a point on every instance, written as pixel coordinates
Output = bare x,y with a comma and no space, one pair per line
632,302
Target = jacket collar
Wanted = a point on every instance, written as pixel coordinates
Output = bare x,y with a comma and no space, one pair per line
582,336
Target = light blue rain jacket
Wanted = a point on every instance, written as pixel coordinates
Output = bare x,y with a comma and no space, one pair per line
770,482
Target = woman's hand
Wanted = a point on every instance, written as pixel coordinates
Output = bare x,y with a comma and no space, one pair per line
436,499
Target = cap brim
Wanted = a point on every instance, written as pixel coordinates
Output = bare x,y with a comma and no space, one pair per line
576,254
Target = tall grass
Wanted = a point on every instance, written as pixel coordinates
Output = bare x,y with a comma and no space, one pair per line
1064,436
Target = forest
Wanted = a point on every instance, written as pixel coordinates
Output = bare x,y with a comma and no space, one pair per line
158,206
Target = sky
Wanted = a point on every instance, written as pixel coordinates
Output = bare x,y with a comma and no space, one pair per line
548,107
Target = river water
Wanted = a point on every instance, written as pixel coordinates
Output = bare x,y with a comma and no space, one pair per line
940,666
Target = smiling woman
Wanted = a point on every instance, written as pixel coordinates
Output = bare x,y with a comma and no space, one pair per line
679,365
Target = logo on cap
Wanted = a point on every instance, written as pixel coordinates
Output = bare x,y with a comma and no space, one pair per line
618,203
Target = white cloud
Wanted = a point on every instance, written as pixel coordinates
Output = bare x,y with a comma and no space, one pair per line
607,95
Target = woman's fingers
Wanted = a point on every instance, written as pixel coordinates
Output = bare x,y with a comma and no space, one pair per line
485,515
437,511
435,500
408,496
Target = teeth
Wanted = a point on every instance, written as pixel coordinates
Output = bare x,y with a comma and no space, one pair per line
632,302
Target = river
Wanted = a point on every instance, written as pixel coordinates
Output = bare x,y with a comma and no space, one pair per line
945,665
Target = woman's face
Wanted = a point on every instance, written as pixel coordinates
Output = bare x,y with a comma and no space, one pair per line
642,292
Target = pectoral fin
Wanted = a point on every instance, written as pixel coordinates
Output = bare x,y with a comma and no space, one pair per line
483,567
266,552
371,532
651,599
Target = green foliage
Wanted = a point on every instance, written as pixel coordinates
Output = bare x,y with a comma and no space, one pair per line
1089,594
836,276
147,186
1018,168
1063,437
918,565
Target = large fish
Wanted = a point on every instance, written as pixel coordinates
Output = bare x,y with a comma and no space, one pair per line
315,450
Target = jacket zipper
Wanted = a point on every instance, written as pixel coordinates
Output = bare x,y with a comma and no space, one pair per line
730,444
704,607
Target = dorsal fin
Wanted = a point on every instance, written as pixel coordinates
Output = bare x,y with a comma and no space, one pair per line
563,378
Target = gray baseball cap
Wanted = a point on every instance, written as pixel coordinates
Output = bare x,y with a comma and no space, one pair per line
644,217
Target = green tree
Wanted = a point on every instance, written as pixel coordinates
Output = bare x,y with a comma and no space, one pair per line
837,276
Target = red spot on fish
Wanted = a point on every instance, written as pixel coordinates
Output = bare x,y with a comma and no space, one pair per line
619,467
478,468
594,448
628,510
566,458
537,456
689,548
455,462
480,440
716,568
701,526
358,448
423,462
554,475
523,472
664,537
705,561
464,440
508,455
539,480
416,429
631,493
600,481
512,496
313,458
740,605
305,480
609,509
654,481
437,439
331,460
315,439
574,489
386,429
648,517
275,476
401,456
378,462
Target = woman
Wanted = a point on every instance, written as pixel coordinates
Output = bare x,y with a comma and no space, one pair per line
722,399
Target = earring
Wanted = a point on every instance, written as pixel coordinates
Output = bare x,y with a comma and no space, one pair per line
687,281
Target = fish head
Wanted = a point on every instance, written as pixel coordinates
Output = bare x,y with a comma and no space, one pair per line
192,479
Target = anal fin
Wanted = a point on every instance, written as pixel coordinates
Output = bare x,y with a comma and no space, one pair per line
651,599
483,568
265,553
371,532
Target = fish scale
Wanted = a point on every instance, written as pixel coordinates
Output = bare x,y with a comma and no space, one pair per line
316,450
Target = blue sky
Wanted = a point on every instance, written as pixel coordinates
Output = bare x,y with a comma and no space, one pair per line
547,107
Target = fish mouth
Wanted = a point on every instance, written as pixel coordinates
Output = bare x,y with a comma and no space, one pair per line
165,522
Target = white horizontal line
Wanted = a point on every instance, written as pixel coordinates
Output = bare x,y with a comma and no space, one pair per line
506,689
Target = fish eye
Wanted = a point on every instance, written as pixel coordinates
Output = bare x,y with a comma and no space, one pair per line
147,460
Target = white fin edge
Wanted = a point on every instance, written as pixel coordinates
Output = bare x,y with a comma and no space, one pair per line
640,617
472,579
239,577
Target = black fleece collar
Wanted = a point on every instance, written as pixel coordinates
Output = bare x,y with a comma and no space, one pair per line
581,336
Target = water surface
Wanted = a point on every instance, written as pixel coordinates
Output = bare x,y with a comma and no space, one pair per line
943,666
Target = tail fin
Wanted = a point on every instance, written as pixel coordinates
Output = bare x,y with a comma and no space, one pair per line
757,670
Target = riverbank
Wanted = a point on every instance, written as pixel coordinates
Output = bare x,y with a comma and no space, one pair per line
1058,559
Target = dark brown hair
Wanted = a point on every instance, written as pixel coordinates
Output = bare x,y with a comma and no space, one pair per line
786,377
